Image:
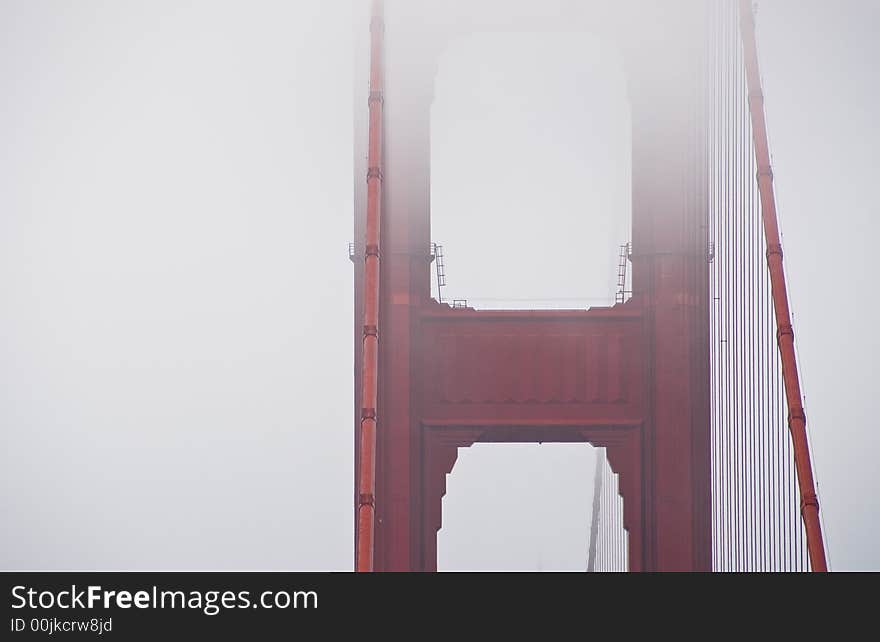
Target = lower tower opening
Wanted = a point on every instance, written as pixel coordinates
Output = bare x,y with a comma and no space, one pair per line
531,507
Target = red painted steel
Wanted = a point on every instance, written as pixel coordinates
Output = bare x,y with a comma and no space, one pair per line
366,505
797,422
528,376
632,377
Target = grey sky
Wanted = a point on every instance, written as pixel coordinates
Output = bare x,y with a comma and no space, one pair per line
175,298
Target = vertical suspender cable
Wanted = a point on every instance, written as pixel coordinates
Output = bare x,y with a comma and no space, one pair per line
797,423
728,330
366,514
734,337
710,183
594,522
748,352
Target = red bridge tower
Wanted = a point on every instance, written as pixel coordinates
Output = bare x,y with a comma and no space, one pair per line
633,377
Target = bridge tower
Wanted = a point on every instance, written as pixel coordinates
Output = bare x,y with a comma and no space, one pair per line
632,377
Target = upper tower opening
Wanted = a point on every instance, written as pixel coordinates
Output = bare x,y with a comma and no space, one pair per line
530,169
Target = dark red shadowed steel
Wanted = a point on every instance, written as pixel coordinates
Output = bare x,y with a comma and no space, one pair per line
797,422
366,510
678,385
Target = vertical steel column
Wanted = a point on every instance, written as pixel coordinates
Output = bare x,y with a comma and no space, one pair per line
369,381
797,422
670,281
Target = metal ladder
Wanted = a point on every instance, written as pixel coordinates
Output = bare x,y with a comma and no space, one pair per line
437,257
622,292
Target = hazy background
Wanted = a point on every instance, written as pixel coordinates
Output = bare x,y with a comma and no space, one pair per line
176,299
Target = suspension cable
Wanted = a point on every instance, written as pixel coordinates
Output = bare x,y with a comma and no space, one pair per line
784,335
366,508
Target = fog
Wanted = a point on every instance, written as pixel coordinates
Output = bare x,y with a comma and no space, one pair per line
176,299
